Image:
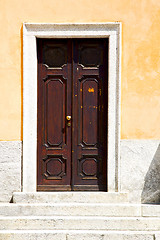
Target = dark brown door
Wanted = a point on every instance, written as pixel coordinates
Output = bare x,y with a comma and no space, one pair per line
72,114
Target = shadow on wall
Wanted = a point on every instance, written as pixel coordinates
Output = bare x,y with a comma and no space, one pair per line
151,189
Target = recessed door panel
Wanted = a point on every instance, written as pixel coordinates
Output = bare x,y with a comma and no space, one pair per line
55,89
89,111
72,114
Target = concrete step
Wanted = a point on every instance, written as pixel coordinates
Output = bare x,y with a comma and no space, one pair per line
80,223
70,209
77,235
78,197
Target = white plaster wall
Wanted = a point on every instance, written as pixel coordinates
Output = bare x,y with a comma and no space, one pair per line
10,169
140,169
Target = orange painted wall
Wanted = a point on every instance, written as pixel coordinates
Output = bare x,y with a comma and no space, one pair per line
140,106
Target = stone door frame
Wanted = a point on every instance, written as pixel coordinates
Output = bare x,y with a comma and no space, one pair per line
31,31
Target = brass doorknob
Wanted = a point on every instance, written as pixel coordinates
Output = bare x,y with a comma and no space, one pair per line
68,118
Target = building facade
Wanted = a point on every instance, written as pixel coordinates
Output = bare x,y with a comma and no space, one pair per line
131,96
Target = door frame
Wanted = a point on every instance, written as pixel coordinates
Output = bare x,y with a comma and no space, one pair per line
31,31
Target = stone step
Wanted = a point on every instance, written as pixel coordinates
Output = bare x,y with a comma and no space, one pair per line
79,197
78,235
150,210
70,209
80,209
80,223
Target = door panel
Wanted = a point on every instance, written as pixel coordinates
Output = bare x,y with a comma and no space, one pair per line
54,101
90,114
72,81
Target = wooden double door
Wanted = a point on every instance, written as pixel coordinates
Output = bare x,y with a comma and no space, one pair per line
72,114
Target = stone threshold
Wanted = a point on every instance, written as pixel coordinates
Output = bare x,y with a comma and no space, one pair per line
79,197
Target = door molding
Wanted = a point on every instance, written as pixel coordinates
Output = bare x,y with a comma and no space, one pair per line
31,31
